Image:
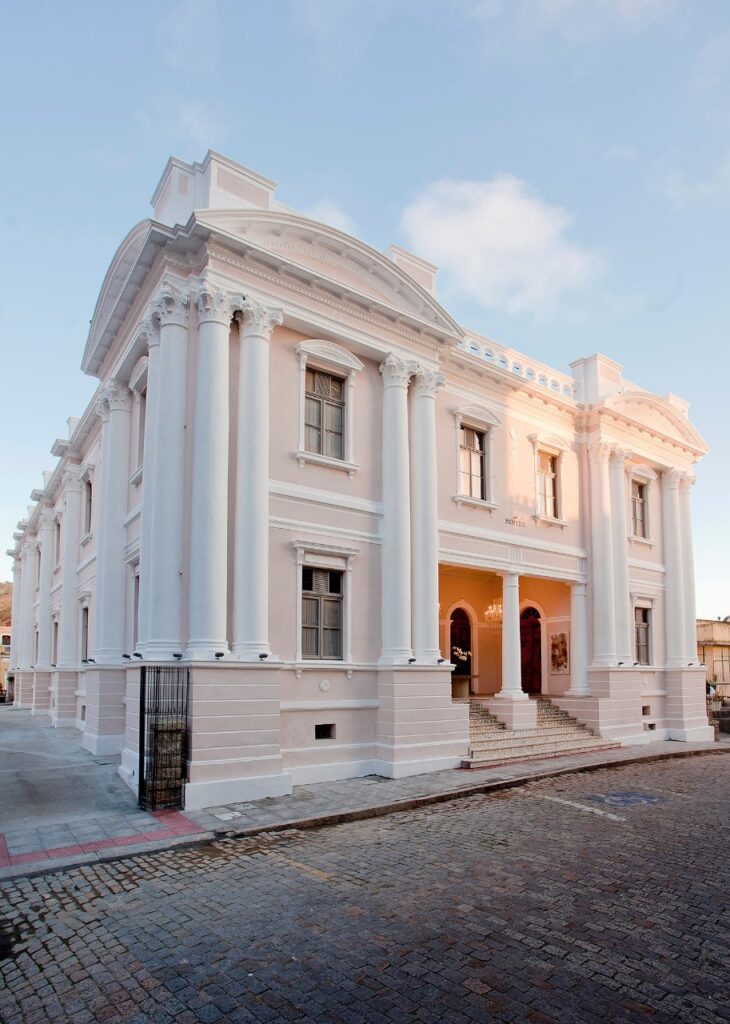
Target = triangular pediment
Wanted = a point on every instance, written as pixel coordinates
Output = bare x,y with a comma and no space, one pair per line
333,256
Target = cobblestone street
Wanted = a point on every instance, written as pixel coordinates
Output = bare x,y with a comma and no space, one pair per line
590,897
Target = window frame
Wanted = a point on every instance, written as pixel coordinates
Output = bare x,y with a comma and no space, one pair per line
313,555
326,357
646,604
324,403
87,479
643,475
485,422
321,600
556,448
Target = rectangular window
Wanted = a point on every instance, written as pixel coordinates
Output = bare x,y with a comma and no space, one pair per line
641,627
324,414
54,648
472,475
322,613
88,503
638,508
547,485
57,543
84,634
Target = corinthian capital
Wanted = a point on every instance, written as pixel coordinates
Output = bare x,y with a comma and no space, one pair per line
170,306
671,479
258,318
427,382
599,451
148,331
213,303
397,372
687,480
114,397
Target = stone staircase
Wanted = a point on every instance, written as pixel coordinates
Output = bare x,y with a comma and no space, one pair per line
557,734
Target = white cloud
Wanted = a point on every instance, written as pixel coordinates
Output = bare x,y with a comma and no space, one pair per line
188,127
329,213
498,243
681,191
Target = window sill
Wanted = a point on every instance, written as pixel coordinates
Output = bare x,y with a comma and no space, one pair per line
646,541
550,520
85,539
465,499
303,457
136,477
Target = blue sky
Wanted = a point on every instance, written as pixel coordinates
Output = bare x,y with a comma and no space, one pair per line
595,132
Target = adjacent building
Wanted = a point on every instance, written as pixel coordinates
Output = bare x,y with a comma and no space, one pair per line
345,512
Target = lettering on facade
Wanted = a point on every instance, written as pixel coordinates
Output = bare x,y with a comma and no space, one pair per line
514,522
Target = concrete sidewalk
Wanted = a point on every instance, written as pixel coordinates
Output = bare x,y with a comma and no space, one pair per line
60,806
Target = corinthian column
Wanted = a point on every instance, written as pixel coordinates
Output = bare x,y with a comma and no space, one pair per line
688,566
149,331
674,598
27,631
395,583
68,657
624,638
602,585
165,485
45,533
114,408
251,543
424,516
207,628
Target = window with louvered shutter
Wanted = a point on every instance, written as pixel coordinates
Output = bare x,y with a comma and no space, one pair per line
638,508
321,613
324,414
472,479
641,627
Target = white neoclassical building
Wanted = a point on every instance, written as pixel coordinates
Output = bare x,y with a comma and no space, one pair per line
346,514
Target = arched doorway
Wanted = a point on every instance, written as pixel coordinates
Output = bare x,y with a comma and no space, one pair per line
531,646
460,652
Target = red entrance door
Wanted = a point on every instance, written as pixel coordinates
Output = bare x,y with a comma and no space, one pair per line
530,640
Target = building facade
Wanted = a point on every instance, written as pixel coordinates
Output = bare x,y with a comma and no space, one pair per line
344,511
713,651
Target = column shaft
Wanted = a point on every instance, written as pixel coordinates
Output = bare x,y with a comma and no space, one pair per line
69,625
602,569
208,599
251,546
43,660
624,639
674,604
27,631
150,330
578,642
167,483
15,614
114,408
395,584
688,568
511,641
424,517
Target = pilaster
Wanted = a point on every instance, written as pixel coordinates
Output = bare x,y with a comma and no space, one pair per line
674,598
602,570
624,639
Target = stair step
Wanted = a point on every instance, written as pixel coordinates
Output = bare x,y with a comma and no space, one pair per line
535,742
500,759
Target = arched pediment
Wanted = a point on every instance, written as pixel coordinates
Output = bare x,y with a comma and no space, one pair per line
329,354
107,307
656,415
335,257
480,414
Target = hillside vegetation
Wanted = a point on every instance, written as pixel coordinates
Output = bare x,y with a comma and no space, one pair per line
6,603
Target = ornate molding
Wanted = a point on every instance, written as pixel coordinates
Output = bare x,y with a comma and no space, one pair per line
259,319
397,372
427,382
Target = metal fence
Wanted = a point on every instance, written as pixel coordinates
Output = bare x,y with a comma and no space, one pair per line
163,735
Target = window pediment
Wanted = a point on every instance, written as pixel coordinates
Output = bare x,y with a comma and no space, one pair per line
479,415
329,355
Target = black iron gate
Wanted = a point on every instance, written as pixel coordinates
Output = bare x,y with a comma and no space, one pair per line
163,735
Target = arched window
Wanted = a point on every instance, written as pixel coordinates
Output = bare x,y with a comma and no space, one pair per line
461,642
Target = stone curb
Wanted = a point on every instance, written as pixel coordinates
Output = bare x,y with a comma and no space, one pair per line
337,818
